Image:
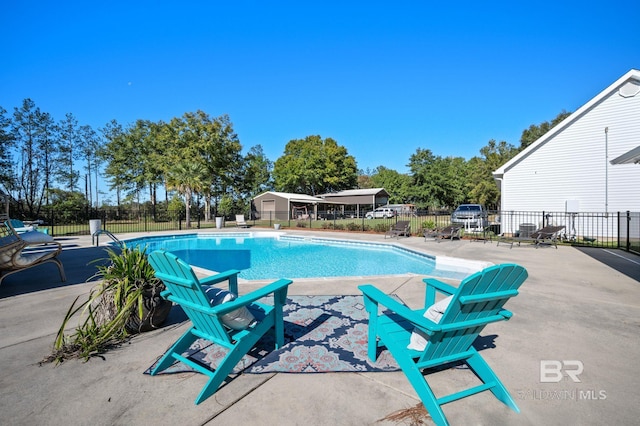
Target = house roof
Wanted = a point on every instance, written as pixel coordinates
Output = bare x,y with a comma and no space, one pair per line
630,157
633,76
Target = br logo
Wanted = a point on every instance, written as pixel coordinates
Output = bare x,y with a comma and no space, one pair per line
552,371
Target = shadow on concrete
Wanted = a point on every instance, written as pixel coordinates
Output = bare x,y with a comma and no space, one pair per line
485,342
77,264
620,260
176,316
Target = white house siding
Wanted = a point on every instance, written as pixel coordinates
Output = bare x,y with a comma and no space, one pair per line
574,164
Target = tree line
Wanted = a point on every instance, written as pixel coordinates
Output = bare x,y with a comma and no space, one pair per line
198,160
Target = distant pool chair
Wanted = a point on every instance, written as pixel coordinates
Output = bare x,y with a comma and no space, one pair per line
545,235
449,232
241,222
20,227
30,233
18,253
401,228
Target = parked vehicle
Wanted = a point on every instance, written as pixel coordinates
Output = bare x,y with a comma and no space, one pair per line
471,216
381,212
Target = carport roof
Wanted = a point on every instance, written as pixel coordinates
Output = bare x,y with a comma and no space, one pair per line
354,192
300,198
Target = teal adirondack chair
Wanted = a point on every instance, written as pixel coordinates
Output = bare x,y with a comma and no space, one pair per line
478,301
184,289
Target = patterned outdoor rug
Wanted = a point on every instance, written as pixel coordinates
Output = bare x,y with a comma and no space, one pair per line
322,334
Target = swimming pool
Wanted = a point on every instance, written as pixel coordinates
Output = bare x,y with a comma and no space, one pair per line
273,255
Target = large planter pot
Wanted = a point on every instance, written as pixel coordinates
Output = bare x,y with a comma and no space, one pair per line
155,311
218,222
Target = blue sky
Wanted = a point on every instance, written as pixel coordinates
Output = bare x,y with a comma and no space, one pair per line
381,78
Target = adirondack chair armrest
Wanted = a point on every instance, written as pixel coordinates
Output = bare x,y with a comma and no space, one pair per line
375,297
231,275
506,314
440,286
279,288
222,276
433,285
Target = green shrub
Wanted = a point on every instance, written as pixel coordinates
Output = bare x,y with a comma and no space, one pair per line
351,226
428,224
381,227
112,306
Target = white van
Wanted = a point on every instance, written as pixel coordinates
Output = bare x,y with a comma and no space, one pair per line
381,212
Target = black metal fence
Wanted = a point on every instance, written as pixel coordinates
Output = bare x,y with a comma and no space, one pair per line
614,229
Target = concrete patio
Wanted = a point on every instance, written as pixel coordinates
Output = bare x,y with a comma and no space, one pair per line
573,309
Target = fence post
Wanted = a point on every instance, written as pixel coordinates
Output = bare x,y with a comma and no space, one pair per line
51,222
628,230
619,223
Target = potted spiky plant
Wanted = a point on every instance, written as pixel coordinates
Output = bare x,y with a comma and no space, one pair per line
126,301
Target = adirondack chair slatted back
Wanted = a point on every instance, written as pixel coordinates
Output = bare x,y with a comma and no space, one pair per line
479,297
183,288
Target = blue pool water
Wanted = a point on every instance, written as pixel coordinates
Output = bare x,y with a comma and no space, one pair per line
292,257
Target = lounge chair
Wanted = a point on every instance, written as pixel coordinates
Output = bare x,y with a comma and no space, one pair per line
18,253
545,235
240,222
30,233
443,333
401,228
450,232
226,324
20,227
